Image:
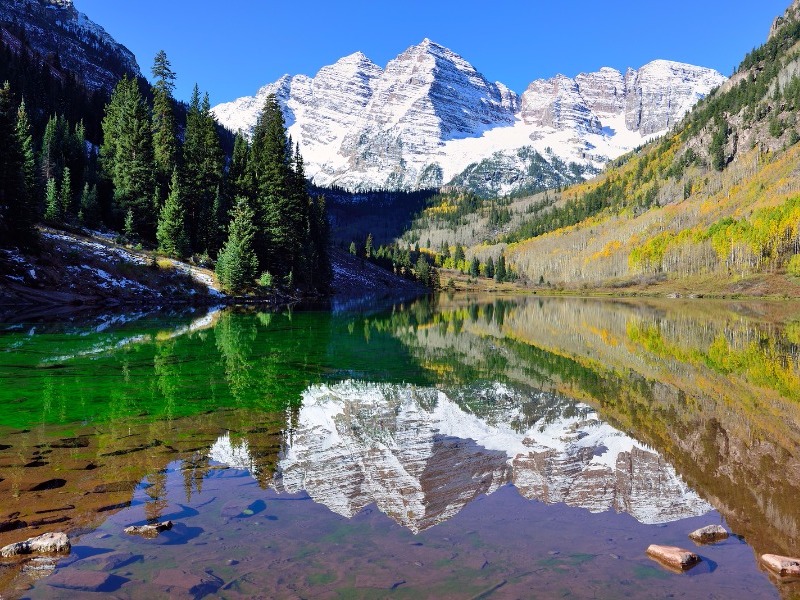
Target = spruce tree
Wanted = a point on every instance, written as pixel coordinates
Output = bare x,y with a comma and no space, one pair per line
277,215
16,226
65,194
237,264
52,203
127,158
203,168
500,273
30,211
474,267
165,131
89,210
171,231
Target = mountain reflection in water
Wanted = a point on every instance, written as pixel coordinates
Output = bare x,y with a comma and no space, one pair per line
448,417
421,456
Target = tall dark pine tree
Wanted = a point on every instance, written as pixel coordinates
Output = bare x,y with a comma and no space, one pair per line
171,232
279,218
16,224
127,157
203,167
25,137
237,264
165,131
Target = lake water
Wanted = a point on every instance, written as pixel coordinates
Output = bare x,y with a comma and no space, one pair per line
459,448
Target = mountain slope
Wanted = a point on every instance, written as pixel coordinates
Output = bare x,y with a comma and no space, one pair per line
430,118
714,204
67,38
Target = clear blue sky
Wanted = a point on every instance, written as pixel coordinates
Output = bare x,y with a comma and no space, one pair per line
233,47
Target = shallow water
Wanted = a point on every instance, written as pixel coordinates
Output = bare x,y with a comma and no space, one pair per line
459,449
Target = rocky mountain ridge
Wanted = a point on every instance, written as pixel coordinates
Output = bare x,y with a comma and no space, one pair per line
62,35
429,118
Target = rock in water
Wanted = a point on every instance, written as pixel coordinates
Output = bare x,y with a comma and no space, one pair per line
148,531
782,565
673,557
47,543
709,534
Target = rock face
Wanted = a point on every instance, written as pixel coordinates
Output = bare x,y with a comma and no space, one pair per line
673,557
48,543
422,454
56,28
430,116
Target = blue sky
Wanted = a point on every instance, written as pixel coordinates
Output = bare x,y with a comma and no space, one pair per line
232,48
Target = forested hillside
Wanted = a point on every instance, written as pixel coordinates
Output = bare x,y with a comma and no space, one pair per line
156,172
715,200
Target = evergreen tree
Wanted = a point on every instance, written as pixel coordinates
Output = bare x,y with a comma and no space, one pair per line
458,254
500,273
353,249
16,225
278,219
237,264
423,271
368,246
203,168
30,211
474,267
127,157
165,131
238,183
89,210
52,205
171,230
65,195
490,267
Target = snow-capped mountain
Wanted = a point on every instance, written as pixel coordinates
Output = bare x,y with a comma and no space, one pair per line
56,30
429,119
422,454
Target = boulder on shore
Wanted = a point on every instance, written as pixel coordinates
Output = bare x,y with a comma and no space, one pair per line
784,566
709,534
673,557
148,531
47,543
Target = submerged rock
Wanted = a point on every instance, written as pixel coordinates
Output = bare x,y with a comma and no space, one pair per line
47,543
782,565
709,534
148,531
673,557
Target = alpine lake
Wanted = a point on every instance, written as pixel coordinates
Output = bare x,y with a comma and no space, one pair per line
442,448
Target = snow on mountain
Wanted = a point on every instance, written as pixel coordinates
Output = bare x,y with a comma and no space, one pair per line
421,455
430,118
57,28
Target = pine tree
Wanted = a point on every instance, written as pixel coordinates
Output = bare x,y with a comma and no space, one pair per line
89,210
165,131
30,211
490,267
368,246
127,157
237,264
16,225
458,254
474,267
238,183
203,168
500,273
277,215
171,231
65,195
52,204
353,249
